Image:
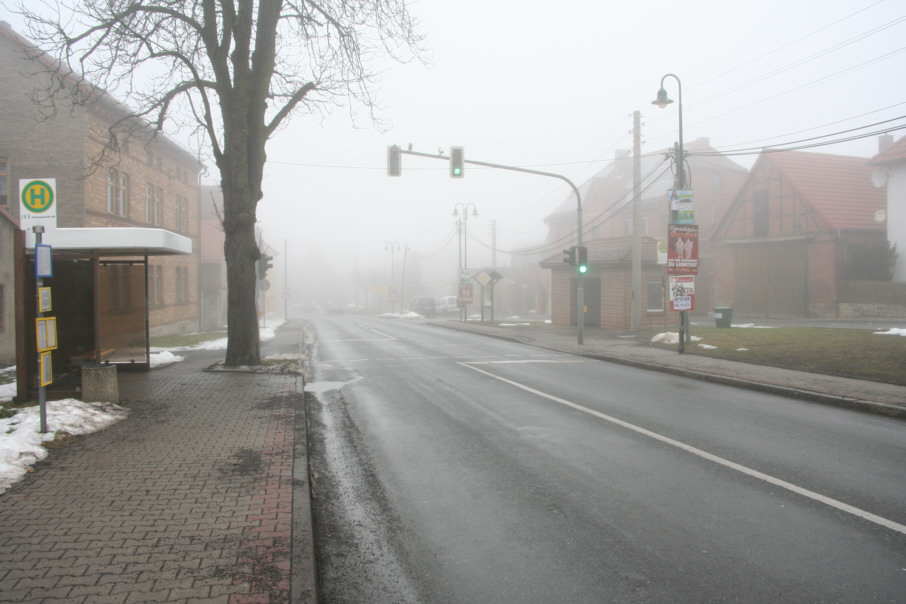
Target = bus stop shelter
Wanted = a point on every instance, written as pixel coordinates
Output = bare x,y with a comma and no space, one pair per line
99,298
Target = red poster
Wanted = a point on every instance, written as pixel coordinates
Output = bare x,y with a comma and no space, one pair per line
465,293
682,249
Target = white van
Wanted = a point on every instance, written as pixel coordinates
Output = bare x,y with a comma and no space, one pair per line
447,304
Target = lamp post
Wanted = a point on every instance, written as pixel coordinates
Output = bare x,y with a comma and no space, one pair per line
662,101
392,246
462,224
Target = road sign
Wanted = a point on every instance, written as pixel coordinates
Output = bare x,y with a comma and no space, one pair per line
37,203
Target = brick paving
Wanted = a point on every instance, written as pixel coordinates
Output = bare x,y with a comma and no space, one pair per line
189,499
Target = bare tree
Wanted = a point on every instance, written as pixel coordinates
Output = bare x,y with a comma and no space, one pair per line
234,71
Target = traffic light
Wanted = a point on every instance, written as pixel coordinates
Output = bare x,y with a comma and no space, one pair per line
569,256
264,263
457,162
582,259
394,161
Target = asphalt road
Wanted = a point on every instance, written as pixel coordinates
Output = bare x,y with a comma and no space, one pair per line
449,467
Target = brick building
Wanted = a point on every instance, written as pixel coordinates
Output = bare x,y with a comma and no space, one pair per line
607,232
149,182
784,240
8,226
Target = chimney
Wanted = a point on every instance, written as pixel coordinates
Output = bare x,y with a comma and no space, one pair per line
884,141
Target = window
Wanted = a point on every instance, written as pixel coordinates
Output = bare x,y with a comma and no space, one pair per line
149,203
655,296
159,285
123,197
153,197
111,190
4,180
156,205
155,286
182,213
182,285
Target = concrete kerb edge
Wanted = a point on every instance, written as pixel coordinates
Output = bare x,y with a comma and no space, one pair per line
797,393
304,577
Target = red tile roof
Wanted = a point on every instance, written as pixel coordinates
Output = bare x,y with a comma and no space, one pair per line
895,153
837,187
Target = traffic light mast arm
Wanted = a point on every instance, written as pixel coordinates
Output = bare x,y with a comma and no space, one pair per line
580,291
512,169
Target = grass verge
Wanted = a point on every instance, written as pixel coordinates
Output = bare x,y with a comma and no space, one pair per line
856,353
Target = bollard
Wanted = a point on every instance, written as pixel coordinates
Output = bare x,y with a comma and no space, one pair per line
99,384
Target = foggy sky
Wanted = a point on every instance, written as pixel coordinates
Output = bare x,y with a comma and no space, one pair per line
553,87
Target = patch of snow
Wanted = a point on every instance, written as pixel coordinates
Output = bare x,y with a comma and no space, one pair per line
670,337
7,391
159,359
893,331
21,443
707,346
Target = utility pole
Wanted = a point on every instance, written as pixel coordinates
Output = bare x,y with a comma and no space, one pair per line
494,244
636,312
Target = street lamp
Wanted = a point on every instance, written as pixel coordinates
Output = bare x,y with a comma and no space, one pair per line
462,224
392,246
662,101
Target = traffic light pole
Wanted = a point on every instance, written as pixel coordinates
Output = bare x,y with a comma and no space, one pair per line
580,290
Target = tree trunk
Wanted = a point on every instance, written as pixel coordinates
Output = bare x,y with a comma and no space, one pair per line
241,252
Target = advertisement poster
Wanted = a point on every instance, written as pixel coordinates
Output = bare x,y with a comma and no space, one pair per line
465,293
682,249
683,204
682,292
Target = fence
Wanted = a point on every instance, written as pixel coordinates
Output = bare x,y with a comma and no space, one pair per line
872,299
872,292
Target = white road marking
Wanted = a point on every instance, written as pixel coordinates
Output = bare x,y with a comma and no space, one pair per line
844,507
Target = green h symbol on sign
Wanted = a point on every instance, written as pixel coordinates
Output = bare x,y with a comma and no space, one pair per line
37,196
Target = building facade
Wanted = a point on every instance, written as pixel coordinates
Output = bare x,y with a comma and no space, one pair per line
147,181
607,200
783,243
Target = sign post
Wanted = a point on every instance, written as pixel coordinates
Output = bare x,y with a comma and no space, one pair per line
682,256
38,213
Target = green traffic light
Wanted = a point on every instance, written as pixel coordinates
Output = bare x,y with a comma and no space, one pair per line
583,269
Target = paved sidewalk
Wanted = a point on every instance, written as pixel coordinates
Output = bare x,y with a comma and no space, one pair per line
888,399
189,499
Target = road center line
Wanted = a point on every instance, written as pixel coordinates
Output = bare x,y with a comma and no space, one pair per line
705,455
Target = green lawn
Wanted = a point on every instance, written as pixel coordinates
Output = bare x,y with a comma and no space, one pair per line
858,353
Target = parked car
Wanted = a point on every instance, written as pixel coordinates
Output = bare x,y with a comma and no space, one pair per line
424,306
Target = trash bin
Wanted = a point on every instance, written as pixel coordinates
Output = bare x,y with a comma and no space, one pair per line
723,316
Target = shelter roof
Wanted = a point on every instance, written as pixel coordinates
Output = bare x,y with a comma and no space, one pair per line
115,241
